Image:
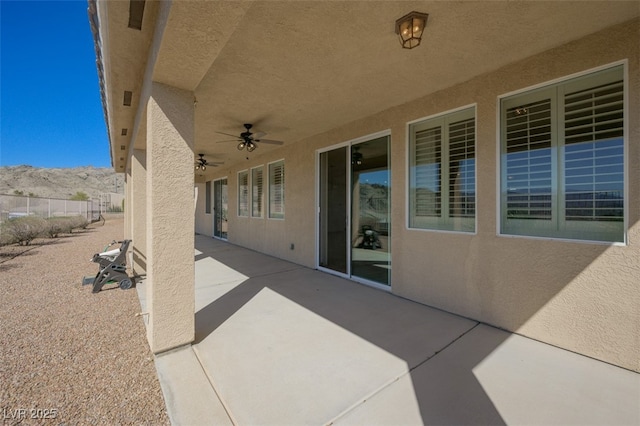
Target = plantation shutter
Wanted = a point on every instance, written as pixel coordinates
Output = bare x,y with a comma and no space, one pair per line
462,147
276,190
594,153
243,193
256,196
428,164
529,161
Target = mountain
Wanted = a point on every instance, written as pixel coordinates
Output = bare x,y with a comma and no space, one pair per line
60,182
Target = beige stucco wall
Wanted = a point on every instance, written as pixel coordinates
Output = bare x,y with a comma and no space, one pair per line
138,210
204,221
580,296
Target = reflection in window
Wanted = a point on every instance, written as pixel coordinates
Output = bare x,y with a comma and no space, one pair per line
528,161
462,169
563,159
594,181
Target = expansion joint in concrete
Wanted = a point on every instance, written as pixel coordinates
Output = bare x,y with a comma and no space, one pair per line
171,350
277,272
213,386
445,347
395,379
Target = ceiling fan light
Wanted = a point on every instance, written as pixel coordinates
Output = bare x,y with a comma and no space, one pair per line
241,146
204,168
356,156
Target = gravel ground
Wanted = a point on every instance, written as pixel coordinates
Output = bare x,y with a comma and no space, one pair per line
68,354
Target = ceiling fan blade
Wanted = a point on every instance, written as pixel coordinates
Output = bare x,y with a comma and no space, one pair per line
235,140
227,134
258,135
269,141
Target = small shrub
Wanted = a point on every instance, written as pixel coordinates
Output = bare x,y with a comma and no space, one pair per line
54,228
58,225
79,222
23,230
5,239
64,225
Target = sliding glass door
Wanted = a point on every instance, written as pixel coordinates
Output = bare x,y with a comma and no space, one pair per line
370,211
333,202
355,211
220,208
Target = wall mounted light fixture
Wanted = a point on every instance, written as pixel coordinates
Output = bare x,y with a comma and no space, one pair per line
410,28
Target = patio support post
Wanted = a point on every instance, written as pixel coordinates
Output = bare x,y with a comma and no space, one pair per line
170,224
138,210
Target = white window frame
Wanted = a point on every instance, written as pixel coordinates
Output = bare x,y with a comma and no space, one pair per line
440,224
252,212
239,211
500,208
270,190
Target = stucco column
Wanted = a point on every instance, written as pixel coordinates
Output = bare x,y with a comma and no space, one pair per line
138,210
170,218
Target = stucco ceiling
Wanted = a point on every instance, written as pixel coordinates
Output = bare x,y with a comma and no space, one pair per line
296,69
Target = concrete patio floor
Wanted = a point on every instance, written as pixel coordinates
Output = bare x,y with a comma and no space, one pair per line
281,344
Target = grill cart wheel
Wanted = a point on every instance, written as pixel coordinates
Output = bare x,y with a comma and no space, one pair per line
125,284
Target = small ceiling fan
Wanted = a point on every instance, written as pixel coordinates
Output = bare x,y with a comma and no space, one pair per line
249,140
202,163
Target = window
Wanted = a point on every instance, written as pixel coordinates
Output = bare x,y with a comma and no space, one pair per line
562,159
243,193
276,190
442,181
256,192
207,197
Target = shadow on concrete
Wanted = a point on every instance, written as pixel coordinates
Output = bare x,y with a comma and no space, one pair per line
407,330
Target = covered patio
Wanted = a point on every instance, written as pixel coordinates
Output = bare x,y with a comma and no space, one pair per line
487,180
279,343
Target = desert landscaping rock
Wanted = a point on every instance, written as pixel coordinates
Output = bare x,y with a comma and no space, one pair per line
69,356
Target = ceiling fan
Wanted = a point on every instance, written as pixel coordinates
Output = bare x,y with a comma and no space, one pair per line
202,163
249,140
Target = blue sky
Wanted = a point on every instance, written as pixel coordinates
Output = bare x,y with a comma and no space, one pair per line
50,107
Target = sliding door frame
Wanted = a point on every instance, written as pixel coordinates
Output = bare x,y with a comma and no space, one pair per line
348,144
215,204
